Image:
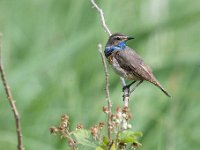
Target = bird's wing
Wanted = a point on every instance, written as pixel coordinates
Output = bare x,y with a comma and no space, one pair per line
130,61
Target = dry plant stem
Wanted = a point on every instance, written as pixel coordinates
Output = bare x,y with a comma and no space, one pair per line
126,93
107,92
67,135
100,11
12,103
126,97
101,16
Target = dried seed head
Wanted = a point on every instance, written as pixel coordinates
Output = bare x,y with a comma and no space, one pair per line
61,127
79,126
94,131
125,109
105,109
128,116
64,118
119,115
53,130
101,125
119,109
113,117
64,122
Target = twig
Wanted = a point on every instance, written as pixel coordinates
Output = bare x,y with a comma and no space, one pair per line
63,129
70,140
101,17
126,96
12,103
126,91
107,92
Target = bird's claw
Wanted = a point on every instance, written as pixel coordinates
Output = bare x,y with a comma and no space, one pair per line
126,87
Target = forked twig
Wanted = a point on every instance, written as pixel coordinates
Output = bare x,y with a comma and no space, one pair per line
11,102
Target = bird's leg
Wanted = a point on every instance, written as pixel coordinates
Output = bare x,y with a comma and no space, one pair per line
136,86
126,89
128,86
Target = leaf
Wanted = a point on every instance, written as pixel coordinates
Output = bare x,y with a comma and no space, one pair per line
138,134
105,141
99,148
85,138
129,137
113,147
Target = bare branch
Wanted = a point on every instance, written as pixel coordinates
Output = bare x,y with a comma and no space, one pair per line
126,92
12,103
107,92
126,96
101,17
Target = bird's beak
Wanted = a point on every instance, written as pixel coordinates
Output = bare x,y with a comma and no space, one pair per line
130,38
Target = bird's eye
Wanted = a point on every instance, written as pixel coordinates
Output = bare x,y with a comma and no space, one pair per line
118,38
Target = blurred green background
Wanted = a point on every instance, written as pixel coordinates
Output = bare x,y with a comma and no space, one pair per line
53,67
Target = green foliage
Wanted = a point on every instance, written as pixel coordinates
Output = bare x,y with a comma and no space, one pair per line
129,137
98,136
99,148
53,67
85,138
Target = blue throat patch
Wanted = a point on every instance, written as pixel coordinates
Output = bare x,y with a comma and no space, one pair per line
109,49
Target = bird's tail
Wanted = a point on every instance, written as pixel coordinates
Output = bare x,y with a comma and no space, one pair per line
162,89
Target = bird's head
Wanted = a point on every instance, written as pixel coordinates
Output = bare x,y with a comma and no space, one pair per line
117,38
116,41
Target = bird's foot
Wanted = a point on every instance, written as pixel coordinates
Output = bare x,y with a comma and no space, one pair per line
126,90
128,86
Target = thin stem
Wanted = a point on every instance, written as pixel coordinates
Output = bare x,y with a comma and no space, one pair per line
101,17
12,103
103,22
126,93
107,92
66,134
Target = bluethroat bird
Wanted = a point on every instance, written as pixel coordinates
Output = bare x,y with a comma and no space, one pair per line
127,63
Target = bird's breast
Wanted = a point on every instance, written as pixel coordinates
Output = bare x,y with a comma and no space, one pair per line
119,70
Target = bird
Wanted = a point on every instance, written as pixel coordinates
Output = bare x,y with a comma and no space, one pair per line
127,63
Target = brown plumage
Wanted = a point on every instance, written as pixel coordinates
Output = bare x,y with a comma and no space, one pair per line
127,63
